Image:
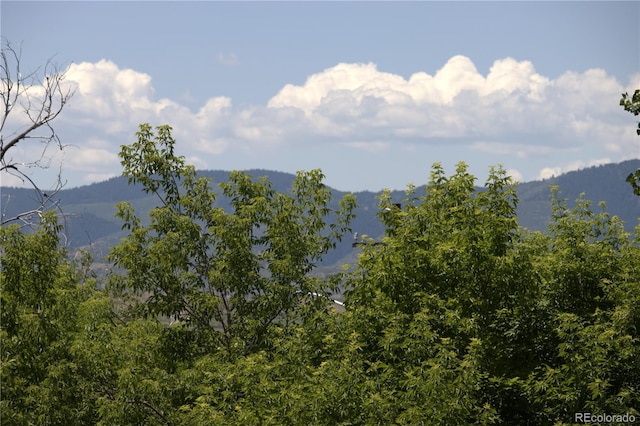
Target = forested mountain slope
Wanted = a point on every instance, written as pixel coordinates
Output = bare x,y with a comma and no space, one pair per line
89,211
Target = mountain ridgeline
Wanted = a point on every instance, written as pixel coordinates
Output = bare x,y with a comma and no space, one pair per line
89,211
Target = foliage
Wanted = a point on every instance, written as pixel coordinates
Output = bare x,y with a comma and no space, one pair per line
457,316
632,105
231,275
591,280
440,292
524,326
40,293
89,218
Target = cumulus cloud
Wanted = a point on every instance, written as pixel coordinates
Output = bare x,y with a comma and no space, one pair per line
512,105
110,103
511,111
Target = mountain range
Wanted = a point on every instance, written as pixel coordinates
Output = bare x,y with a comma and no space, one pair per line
90,222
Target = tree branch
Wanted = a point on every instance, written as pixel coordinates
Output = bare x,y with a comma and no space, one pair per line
41,98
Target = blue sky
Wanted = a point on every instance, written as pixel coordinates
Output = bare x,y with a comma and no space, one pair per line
372,93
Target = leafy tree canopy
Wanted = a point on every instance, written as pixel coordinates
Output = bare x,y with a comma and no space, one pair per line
213,316
233,275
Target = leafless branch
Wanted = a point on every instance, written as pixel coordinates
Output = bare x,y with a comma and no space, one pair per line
28,105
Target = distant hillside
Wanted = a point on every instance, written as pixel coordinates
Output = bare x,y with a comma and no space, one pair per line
599,183
89,210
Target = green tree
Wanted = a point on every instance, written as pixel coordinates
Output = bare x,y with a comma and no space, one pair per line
429,302
590,276
457,316
231,276
129,374
460,316
632,105
40,294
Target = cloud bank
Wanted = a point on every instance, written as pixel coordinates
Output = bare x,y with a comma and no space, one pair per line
512,111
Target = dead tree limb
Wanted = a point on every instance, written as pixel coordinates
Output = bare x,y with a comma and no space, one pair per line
29,103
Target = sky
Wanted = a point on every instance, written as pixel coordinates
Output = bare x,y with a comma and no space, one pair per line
372,93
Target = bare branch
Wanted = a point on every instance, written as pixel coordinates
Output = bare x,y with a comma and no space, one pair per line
44,201
28,105
40,111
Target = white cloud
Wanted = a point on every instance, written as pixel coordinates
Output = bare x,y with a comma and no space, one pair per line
108,97
508,76
105,80
197,162
634,83
357,82
549,172
514,107
513,101
89,159
515,175
571,166
511,111
9,179
110,103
